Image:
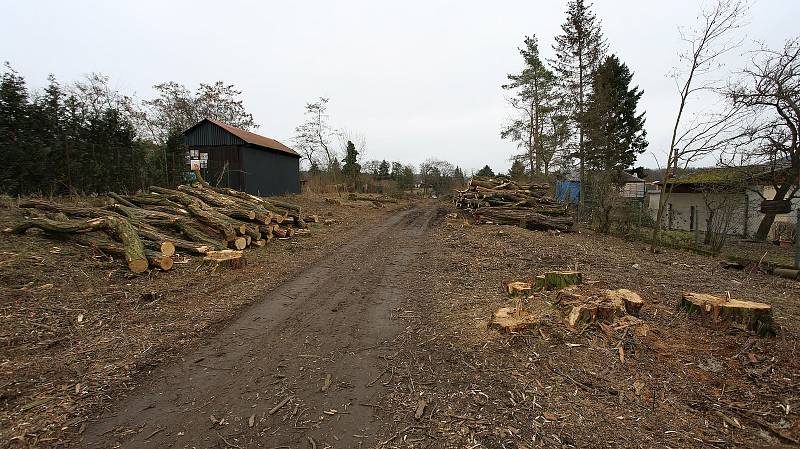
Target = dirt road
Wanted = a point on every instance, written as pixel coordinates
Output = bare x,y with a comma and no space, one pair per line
300,365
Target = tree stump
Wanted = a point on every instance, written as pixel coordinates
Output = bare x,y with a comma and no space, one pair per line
556,280
598,306
756,316
631,300
226,257
518,288
512,319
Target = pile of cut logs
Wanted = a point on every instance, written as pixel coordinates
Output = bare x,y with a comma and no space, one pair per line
147,229
501,200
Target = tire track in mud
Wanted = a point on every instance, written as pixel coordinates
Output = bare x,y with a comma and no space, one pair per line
325,329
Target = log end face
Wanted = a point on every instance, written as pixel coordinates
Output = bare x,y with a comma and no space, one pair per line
138,265
167,249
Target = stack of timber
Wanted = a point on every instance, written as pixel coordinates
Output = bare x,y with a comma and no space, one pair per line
147,229
501,200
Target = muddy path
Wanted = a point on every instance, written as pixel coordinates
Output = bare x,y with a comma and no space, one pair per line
301,365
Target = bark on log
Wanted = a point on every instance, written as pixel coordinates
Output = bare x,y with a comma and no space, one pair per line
123,231
120,200
154,259
523,218
60,226
204,213
755,316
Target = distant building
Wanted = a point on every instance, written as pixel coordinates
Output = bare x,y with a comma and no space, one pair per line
242,160
736,192
568,189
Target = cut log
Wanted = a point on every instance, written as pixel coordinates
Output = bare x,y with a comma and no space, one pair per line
117,227
312,218
518,288
788,273
355,197
124,232
755,316
523,218
154,259
61,226
120,200
204,213
167,248
555,280
239,243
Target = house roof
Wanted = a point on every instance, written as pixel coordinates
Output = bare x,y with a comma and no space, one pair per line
247,136
731,176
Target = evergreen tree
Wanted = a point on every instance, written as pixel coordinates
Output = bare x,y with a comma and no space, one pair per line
49,112
383,170
615,133
17,168
579,50
174,157
458,177
485,171
313,171
517,170
535,99
351,169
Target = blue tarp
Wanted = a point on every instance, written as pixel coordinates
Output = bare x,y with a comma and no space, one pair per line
568,191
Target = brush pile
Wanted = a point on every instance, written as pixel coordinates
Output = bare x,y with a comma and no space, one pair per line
501,200
147,229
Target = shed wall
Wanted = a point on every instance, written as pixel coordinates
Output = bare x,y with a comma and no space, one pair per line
269,173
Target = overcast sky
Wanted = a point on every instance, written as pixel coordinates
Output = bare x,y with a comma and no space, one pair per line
417,79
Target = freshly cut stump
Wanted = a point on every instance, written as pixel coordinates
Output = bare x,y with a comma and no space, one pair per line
508,320
227,257
756,316
632,301
556,280
581,308
518,288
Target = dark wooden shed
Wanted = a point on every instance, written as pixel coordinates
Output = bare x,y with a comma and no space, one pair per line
243,160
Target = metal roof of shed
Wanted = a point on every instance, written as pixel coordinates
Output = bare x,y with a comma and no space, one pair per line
248,137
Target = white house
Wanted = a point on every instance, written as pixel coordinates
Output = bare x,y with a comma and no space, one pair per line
732,196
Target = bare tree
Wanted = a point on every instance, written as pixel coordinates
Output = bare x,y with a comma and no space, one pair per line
770,94
706,44
316,136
